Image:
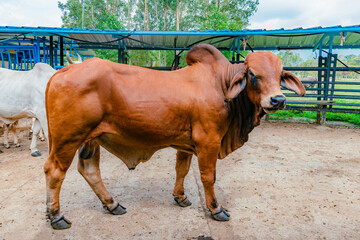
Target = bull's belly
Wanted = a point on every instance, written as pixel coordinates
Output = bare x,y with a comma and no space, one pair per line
132,153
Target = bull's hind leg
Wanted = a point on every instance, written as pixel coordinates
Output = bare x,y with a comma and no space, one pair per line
55,169
183,162
88,166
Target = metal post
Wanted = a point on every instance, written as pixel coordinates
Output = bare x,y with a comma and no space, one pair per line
56,62
119,55
319,85
333,61
61,51
9,57
2,59
44,51
51,51
120,52
233,51
331,43
238,50
37,57
327,79
176,64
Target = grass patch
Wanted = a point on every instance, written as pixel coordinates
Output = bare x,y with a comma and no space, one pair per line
307,116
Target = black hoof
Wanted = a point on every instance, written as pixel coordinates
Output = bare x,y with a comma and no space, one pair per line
118,210
1,151
60,223
17,146
36,154
183,202
221,215
7,146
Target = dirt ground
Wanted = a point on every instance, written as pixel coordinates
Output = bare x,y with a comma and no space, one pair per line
290,181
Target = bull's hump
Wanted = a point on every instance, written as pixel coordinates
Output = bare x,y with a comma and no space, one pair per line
205,53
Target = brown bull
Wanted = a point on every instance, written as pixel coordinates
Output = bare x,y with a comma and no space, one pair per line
207,109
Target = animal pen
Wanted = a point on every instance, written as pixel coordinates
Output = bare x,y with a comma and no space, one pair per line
22,47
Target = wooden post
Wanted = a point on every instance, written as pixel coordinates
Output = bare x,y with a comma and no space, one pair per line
323,117
318,117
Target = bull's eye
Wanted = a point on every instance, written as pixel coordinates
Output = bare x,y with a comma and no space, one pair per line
254,80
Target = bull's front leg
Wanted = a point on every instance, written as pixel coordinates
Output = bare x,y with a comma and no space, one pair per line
207,157
183,162
36,128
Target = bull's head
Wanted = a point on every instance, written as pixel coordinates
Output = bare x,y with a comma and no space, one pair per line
262,74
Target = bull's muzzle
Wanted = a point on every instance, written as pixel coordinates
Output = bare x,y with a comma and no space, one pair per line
278,102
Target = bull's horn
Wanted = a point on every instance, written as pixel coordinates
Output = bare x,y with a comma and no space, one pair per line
68,58
79,58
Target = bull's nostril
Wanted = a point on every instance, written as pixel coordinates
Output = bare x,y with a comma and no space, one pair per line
273,101
278,101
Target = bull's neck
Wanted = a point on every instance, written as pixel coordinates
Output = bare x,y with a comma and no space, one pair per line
256,110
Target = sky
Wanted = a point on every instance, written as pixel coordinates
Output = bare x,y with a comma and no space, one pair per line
289,14
271,14
32,13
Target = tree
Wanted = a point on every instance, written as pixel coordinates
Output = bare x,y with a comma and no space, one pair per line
153,15
310,62
290,58
350,60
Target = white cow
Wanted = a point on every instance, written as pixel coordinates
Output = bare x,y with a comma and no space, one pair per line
22,95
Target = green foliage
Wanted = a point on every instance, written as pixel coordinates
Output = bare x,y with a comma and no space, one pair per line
150,15
311,116
98,14
290,58
351,60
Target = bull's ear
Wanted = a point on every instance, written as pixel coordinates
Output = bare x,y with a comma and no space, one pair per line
237,84
292,83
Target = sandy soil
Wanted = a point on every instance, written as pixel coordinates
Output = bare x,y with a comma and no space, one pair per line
290,181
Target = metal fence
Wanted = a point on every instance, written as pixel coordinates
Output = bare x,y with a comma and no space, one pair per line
24,54
327,93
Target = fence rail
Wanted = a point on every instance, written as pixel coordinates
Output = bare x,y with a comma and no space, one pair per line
326,93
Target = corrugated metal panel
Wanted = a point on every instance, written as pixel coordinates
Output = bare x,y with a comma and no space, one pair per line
257,38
